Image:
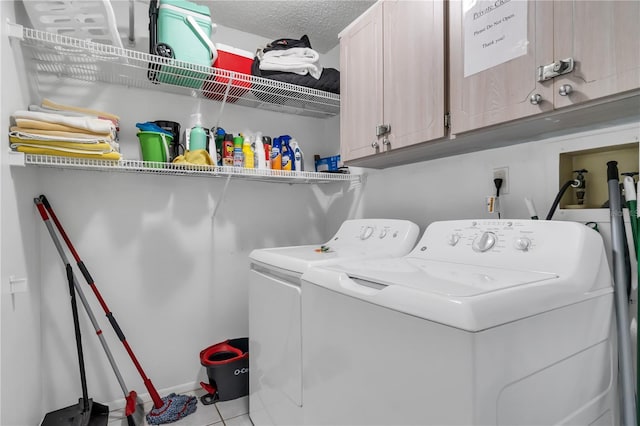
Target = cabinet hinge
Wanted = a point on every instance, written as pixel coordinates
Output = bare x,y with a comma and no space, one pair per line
547,72
447,120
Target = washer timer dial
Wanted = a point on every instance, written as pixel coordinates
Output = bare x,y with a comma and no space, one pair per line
484,241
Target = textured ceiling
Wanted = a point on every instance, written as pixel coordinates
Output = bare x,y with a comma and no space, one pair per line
320,20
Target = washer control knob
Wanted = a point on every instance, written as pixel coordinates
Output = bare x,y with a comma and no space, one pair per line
453,239
366,232
522,243
484,241
383,233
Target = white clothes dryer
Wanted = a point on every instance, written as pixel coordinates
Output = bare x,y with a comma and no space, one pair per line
275,361
485,322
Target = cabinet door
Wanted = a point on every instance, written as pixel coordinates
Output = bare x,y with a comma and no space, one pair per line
361,85
414,80
603,37
502,92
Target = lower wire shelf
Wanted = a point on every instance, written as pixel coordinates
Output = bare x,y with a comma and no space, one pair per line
150,167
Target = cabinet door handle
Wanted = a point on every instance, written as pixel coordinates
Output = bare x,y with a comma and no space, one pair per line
565,89
535,99
374,145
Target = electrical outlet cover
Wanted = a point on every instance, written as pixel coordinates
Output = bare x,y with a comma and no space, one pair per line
501,173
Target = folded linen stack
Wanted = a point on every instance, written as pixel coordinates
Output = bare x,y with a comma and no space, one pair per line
289,55
299,60
59,130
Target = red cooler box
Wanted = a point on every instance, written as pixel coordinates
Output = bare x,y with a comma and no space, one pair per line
229,59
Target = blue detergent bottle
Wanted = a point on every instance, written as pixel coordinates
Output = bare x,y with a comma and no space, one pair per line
287,153
276,154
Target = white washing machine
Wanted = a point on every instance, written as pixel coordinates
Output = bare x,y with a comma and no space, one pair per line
485,322
275,361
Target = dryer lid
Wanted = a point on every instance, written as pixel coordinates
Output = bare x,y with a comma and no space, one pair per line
298,259
355,239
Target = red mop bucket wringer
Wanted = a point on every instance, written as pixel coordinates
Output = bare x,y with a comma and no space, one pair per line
227,365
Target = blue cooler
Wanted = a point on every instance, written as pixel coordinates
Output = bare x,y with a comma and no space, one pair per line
183,34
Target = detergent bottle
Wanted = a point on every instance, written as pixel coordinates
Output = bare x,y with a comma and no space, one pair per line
237,151
219,142
258,149
197,135
298,158
276,154
227,150
266,142
247,154
287,153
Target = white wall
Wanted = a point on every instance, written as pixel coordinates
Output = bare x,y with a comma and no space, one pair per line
21,349
173,275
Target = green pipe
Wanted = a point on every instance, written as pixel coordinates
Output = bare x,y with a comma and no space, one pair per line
632,204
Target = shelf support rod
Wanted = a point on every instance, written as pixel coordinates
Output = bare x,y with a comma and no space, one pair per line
132,16
222,197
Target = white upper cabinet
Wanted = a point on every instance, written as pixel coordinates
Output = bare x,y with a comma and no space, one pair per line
603,37
392,78
598,42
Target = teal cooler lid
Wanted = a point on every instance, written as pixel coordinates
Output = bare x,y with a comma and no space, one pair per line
187,5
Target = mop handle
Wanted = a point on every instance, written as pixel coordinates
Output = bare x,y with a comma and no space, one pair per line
76,329
157,401
620,278
83,299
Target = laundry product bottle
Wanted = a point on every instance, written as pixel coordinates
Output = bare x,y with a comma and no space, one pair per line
197,135
266,142
298,159
276,154
237,151
287,153
227,150
258,149
247,154
219,142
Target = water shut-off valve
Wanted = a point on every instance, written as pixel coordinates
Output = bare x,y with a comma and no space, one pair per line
580,185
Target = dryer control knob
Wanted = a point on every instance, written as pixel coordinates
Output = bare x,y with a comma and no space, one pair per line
366,232
522,243
383,233
453,239
484,241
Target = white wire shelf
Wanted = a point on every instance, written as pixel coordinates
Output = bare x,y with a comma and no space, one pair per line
52,54
150,167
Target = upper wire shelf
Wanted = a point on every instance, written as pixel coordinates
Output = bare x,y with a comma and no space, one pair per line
62,56
150,167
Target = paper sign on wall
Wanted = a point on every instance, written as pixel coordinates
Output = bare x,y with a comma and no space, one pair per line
495,31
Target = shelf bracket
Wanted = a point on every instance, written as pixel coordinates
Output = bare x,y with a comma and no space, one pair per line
15,30
16,158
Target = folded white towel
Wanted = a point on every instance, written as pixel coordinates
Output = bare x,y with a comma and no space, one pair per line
299,60
78,138
96,125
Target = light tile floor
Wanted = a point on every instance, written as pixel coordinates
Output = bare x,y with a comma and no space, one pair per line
225,413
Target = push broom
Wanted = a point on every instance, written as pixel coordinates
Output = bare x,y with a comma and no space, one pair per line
165,410
132,404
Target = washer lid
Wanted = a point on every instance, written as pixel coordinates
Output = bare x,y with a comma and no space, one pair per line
468,297
445,278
